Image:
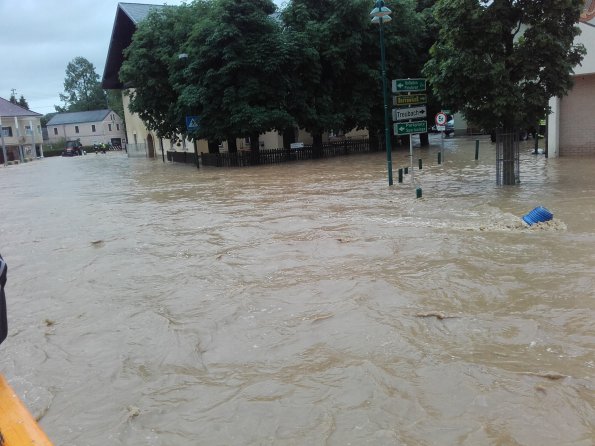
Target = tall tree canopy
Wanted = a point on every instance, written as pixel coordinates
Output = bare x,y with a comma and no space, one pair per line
23,102
244,72
336,83
500,61
82,89
235,77
153,64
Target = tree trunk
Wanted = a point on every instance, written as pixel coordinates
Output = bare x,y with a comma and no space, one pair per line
288,137
374,141
254,149
232,144
213,146
317,145
254,142
508,177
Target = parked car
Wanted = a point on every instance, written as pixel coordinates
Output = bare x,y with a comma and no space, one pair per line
450,126
73,148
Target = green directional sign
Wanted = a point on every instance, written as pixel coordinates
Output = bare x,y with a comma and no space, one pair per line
406,85
410,99
409,128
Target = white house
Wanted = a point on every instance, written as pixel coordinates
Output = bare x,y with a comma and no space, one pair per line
20,136
89,127
571,125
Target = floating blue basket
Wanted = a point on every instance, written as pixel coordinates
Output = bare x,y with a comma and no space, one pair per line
538,215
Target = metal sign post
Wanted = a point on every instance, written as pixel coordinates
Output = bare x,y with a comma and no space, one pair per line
441,119
410,101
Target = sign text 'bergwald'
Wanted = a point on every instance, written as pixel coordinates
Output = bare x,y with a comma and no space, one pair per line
412,99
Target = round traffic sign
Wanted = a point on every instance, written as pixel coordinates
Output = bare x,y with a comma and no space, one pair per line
440,118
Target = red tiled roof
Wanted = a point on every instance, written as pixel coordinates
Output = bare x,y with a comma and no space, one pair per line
588,11
8,109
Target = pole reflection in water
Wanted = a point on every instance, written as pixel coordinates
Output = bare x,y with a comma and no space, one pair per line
304,303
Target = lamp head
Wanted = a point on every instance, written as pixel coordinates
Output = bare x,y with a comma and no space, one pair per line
380,11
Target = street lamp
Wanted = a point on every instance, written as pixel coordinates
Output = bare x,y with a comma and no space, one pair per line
381,14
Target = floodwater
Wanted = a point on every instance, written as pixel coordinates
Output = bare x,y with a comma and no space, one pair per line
302,304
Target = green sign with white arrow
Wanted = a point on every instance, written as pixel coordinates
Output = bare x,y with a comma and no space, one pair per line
410,128
406,85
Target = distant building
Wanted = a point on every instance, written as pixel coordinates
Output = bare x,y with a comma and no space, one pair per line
89,127
21,137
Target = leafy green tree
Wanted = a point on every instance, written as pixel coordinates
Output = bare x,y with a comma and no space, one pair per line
23,102
82,89
13,99
114,102
152,66
235,77
502,67
46,118
337,82
322,38
499,62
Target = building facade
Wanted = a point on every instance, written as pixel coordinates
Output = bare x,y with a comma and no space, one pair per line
89,127
571,124
20,136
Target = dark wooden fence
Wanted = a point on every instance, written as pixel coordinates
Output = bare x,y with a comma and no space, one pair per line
181,157
276,156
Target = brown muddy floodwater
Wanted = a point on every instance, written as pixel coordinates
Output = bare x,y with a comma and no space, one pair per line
302,304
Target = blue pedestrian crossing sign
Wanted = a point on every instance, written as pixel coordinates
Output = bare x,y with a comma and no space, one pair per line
192,123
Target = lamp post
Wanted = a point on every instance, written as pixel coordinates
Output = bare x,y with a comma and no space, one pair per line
381,14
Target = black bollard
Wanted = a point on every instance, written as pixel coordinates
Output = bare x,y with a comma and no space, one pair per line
439,158
406,170
420,164
476,149
400,175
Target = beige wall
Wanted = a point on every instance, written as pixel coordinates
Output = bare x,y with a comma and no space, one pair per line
102,134
570,123
137,136
22,135
577,122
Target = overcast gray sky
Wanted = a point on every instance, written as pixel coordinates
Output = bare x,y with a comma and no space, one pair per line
38,38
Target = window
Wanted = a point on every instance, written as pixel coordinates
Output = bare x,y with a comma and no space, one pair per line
118,127
7,131
55,130
92,127
76,129
109,127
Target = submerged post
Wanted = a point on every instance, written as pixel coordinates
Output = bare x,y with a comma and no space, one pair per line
476,149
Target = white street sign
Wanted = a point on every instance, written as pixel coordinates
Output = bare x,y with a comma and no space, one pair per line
404,114
440,128
440,118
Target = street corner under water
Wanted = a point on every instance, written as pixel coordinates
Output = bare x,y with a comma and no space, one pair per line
305,303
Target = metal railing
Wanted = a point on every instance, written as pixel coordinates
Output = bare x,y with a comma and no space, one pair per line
276,156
